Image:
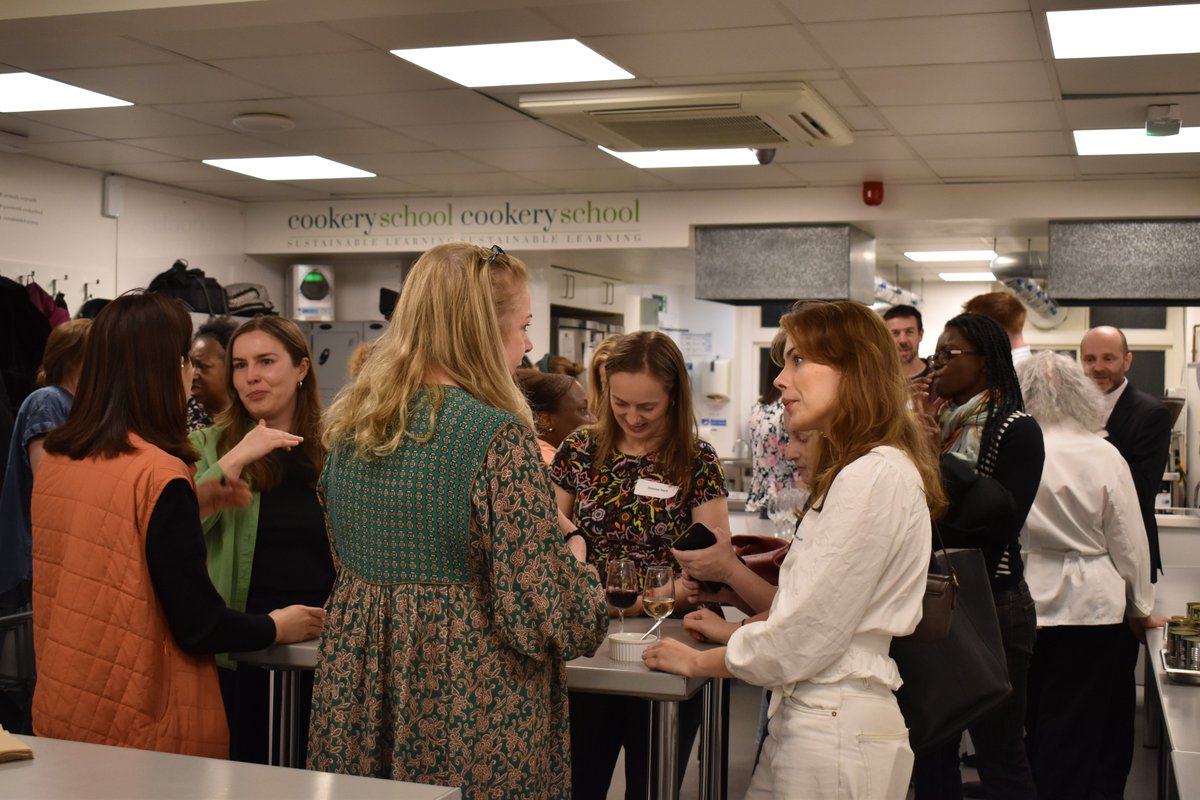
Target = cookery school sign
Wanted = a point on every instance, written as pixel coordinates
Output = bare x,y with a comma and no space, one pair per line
524,222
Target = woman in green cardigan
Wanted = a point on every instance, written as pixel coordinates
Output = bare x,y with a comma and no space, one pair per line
277,546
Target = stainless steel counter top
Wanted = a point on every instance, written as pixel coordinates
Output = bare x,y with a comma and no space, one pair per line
61,769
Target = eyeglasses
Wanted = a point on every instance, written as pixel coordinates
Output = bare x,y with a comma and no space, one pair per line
946,355
497,250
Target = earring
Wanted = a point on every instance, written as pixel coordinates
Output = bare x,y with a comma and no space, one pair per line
300,385
549,429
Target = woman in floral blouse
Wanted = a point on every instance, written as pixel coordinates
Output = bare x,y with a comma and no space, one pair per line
457,603
771,471
633,483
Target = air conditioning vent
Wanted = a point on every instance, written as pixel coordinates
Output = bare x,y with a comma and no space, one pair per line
679,117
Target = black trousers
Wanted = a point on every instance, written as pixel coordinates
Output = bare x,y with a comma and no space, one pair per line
601,724
1116,755
999,735
1076,675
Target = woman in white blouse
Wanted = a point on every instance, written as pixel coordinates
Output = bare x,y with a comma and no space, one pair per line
1087,563
854,577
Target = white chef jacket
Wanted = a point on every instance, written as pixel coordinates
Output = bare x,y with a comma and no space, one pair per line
853,579
1086,556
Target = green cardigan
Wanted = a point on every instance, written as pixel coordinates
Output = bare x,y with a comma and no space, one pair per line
229,535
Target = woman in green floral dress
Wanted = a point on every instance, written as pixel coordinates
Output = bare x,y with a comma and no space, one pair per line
457,602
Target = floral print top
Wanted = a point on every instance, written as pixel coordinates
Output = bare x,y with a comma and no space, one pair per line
770,470
616,520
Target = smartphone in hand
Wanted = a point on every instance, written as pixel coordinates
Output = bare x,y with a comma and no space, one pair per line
698,537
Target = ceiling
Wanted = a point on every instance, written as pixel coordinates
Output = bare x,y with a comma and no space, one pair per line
937,92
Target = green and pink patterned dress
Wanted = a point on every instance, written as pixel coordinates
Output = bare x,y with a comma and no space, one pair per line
455,607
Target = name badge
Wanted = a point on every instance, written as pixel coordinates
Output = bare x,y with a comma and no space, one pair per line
656,489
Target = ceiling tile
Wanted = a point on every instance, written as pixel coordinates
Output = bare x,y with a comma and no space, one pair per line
958,83
638,16
985,145
25,125
473,136
837,92
481,25
1125,112
358,186
65,51
729,177
221,145
125,122
1005,168
1140,75
154,84
401,165
408,109
1183,163
704,54
861,118
973,118
93,153
253,40
852,172
828,10
930,40
169,172
343,140
528,159
863,148
247,190
307,115
334,74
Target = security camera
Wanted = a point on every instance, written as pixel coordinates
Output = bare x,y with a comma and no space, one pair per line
765,155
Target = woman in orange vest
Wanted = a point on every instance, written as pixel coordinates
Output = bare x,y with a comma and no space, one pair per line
125,617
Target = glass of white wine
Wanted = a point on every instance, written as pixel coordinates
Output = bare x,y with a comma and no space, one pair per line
658,591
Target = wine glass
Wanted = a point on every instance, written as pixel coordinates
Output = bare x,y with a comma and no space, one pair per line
622,586
658,591
782,508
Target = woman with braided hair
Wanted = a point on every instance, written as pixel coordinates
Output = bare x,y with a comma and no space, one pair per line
980,423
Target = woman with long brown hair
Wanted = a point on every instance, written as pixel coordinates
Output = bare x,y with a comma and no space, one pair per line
633,483
274,550
854,578
125,616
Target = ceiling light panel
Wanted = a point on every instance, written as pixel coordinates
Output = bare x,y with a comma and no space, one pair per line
671,159
516,63
967,277
1134,141
22,91
1109,32
929,256
289,168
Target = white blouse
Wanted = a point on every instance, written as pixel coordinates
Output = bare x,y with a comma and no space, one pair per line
853,579
1085,548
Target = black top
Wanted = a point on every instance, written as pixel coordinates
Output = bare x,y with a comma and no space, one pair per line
998,505
175,556
1140,428
292,560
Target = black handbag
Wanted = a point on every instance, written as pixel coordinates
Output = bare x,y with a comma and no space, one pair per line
951,682
937,606
192,287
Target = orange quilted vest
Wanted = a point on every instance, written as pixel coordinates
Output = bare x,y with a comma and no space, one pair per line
108,669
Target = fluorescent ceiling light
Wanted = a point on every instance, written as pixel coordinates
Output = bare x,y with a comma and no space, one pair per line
516,63
667,159
1107,32
21,91
950,255
289,168
967,277
1134,141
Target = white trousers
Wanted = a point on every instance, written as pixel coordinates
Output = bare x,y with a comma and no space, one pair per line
839,741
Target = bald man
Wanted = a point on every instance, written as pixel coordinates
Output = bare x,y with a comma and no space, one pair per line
1139,426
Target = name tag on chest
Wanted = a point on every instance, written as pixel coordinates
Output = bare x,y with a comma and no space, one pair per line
656,489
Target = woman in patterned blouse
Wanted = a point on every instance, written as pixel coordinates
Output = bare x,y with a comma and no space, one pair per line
633,483
456,603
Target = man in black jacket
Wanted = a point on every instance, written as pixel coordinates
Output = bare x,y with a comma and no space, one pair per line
1139,426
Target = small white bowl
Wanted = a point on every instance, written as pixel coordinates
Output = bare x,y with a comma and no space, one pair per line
630,646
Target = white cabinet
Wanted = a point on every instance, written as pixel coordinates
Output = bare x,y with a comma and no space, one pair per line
581,290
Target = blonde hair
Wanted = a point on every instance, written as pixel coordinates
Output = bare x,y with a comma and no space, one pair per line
448,318
597,396
872,398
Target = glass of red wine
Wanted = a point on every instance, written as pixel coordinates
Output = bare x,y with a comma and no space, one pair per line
622,586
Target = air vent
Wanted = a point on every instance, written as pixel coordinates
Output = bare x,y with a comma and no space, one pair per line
707,116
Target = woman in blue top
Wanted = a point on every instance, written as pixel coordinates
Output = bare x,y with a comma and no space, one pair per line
42,411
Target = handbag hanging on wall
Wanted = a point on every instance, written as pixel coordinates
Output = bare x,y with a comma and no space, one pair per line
950,682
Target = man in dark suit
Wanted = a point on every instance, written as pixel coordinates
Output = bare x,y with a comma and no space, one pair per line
1139,426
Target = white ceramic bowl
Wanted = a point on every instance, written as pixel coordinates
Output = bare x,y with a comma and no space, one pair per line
630,646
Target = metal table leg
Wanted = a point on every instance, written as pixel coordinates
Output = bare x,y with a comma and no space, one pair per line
666,749
273,757
712,761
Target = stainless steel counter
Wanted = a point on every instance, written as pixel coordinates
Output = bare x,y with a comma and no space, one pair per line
62,769
1172,709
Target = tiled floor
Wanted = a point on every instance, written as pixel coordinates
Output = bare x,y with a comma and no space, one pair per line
743,720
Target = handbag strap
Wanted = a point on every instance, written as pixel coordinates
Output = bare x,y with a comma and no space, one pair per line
949,566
